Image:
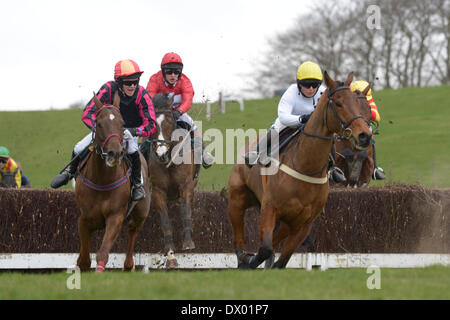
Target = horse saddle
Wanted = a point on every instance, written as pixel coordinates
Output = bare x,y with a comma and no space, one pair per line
285,137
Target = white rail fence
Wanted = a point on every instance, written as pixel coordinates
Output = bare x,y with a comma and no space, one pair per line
222,104
146,261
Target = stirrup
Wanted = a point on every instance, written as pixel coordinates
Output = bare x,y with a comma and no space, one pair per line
337,175
264,161
207,160
61,180
251,158
378,174
138,192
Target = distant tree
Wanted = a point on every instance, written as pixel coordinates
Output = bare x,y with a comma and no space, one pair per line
411,48
80,104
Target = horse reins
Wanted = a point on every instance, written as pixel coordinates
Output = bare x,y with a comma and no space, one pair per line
99,150
346,132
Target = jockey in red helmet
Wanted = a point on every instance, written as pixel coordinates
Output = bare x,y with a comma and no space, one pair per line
171,79
137,110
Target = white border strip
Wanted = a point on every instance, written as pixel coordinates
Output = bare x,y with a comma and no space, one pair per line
306,261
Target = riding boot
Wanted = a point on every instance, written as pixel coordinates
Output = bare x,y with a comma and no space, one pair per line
207,158
64,177
336,174
199,151
138,192
260,154
378,172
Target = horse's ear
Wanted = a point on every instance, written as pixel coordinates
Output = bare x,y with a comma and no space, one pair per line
349,79
116,99
366,89
98,103
328,81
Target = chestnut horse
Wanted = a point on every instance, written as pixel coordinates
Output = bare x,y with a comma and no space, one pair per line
357,164
103,190
171,180
297,193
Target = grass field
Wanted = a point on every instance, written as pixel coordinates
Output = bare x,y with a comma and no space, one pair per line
423,283
412,146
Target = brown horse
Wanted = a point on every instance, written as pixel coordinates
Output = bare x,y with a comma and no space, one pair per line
296,194
8,179
103,190
357,164
172,180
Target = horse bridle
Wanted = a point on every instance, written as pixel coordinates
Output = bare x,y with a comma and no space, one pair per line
346,131
369,122
167,143
99,149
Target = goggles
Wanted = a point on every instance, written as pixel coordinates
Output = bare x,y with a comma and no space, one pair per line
172,71
130,82
310,83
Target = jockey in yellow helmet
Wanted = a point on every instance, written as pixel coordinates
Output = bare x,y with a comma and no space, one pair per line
294,109
361,85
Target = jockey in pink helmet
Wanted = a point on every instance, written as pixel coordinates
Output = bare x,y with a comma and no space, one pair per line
137,110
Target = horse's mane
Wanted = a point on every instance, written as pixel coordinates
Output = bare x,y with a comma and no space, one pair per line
323,97
160,101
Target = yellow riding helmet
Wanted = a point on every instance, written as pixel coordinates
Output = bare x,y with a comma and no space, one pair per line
309,70
361,85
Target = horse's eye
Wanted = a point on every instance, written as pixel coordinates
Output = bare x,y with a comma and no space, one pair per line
338,104
99,125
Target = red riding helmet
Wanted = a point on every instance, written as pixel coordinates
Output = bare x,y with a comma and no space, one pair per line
171,58
126,68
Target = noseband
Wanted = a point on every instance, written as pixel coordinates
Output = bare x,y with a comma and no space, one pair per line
346,131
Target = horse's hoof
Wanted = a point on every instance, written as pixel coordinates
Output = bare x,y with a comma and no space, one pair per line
171,263
269,262
243,266
188,245
128,268
84,267
245,260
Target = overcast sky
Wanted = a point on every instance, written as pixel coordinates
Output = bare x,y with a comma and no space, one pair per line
53,53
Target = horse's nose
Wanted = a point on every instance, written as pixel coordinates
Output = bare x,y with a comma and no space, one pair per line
364,139
111,154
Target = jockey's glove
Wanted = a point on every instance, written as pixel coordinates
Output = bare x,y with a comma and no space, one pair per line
132,131
177,113
303,119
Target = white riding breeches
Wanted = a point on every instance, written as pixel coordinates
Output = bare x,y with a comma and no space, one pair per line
186,118
129,141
